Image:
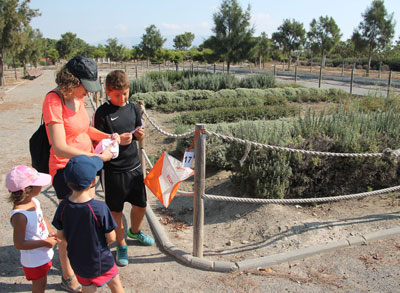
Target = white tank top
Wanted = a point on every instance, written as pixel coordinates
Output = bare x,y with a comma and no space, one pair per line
36,229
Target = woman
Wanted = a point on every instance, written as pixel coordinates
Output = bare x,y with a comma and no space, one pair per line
69,132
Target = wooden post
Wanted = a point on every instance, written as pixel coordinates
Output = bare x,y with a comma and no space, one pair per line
199,188
389,83
101,92
352,79
214,68
274,70
320,76
295,74
141,146
125,66
136,70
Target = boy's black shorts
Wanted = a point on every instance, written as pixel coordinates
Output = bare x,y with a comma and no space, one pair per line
124,187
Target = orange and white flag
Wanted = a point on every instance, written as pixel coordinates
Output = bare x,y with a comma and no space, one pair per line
164,178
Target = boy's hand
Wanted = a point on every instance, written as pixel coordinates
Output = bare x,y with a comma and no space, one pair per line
126,138
51,241
139,134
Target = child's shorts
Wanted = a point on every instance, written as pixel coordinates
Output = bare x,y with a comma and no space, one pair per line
99,281
124,187
37,273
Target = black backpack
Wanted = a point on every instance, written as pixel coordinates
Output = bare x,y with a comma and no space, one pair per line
39,145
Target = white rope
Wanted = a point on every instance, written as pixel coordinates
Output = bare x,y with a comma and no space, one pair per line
163,131
387,152
299,200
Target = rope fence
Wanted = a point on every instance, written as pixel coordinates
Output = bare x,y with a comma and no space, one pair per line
199,181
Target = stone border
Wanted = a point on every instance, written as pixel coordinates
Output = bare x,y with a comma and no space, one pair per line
225,266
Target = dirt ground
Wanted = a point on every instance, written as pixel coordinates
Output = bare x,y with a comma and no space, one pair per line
233,232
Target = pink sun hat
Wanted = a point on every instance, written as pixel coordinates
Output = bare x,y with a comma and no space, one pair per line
22,176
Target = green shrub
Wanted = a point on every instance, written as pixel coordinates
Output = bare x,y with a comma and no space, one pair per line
258,81
235,114
141,85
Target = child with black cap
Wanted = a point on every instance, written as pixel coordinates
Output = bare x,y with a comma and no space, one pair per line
88,227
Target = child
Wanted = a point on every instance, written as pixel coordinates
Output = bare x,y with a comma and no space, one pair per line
33,235
88,227
122,178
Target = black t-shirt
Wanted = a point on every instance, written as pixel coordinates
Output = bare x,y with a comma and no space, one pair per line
121,120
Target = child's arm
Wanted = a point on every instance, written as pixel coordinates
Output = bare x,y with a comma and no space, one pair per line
19,223
60,235
49,227
110,237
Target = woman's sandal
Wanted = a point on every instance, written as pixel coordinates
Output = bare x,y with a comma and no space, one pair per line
66,285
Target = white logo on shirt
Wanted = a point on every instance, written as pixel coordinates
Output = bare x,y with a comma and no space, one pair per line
114,118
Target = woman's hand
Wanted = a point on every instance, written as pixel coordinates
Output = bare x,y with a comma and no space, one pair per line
115,136
126,138
107,155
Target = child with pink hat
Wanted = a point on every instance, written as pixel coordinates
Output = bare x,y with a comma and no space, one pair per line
33,235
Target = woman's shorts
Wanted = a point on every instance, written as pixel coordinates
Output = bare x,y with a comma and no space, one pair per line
61,188
99,281
37,273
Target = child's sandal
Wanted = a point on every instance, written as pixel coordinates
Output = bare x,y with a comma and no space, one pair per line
66,285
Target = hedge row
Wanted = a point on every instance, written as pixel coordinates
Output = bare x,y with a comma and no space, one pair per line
212,103
276,174
164,81
234,114
154,99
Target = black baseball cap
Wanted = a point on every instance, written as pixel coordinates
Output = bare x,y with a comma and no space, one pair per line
85,69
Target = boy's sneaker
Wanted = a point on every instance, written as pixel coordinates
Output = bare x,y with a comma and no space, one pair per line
142,237
122,255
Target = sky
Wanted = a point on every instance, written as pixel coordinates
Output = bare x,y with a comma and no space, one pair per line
95,21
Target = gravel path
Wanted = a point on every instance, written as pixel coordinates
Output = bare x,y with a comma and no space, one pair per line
373,267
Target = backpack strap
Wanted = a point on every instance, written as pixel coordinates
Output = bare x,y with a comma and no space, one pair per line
57,91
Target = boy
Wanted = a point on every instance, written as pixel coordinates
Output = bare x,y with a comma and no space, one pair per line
122,178
88,227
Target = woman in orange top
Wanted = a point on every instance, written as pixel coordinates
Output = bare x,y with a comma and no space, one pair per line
69,132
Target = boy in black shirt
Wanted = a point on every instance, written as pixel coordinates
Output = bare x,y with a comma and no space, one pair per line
122,177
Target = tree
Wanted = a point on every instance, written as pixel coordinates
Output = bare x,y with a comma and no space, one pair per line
50,49
323,36
100,52
115,51
152,42
53,55
376,31
290,37
232,41
263,47
14,17
67,46
183,41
